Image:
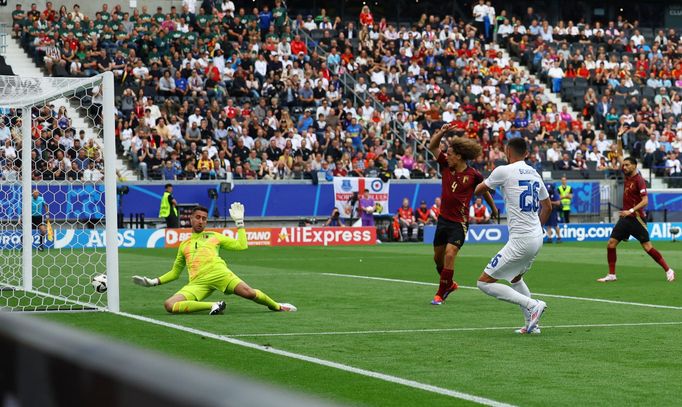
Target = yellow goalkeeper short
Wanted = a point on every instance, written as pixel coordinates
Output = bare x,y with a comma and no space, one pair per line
201,287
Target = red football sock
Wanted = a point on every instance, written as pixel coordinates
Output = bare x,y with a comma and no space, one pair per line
611,256
445,281
656,255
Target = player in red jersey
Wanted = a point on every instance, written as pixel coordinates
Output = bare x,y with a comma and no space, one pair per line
631,222
458,184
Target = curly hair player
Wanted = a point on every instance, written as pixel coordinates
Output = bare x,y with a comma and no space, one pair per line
458,184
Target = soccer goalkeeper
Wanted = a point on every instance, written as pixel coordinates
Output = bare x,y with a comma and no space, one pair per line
207,270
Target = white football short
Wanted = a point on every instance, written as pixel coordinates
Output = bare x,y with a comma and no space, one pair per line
515,258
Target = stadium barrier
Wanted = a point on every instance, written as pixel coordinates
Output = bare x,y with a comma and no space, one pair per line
579,232
159,238
44,364
261,199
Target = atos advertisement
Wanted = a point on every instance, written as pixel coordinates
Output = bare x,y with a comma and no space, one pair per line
287,236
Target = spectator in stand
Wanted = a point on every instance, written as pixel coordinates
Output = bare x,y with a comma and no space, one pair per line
335,219
479,213
406,221
423,218
366,18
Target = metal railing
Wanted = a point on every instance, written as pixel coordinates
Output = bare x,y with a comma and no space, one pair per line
4,32
349,82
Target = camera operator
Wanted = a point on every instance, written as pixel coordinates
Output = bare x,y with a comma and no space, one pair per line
335,219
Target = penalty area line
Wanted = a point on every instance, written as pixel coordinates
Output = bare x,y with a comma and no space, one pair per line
436,330
566,297
322,362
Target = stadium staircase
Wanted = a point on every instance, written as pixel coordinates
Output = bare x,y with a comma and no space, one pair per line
22,64
349,82
656,182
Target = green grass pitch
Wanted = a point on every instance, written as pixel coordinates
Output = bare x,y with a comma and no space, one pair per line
582,357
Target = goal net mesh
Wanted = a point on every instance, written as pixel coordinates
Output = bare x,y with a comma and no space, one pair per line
67,193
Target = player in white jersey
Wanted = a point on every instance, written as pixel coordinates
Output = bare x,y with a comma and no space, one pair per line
524,194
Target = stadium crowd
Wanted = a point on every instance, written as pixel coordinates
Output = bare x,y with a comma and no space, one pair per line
211,89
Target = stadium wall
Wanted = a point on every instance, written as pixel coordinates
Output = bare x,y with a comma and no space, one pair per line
281,199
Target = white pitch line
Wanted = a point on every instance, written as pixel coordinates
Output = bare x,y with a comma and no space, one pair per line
327,363
567,297
431,330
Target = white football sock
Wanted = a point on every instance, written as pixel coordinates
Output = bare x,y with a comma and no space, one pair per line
506,293
521,288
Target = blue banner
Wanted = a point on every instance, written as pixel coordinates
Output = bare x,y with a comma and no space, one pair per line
672,201
11,240
95,238
260,199
579,232
64,201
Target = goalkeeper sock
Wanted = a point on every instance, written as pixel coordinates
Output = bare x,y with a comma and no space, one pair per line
263,299
611,258
445,281
191,306
658,258
521,288
506,293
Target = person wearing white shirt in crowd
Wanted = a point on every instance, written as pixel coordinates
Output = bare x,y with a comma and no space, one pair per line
192,6
10,151
594,156
557,74
227,6
400,172
5,134
505,29
195,117
637,38
448,114
677,143
360,86
672,165
652,144
92,173
480,11
553,153
602,143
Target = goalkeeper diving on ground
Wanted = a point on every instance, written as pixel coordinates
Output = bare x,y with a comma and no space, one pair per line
207,270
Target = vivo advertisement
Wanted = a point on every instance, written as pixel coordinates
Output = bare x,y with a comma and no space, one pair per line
586,232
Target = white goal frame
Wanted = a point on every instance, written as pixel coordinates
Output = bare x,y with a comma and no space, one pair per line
25,101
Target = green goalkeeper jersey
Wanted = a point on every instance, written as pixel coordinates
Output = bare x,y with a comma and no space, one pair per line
201,254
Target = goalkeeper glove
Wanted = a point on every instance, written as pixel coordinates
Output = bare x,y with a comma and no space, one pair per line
237,214
145,282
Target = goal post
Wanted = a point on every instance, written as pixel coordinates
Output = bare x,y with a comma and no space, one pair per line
57,191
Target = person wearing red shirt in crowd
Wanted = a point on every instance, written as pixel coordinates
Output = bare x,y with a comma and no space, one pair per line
406,220
458,184
479,212
50,14
366,16
423,215
298,46
631,222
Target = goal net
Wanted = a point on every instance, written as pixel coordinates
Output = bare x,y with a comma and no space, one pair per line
58,223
